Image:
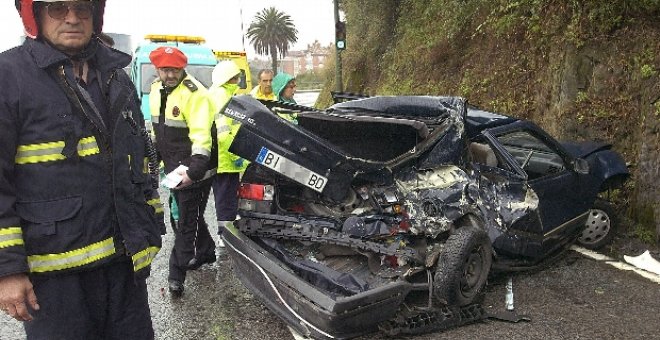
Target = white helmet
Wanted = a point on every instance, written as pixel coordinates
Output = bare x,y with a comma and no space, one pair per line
223,72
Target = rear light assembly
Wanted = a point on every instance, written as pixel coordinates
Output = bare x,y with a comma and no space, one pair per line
256,192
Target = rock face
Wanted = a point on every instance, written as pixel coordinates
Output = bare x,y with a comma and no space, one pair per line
584,70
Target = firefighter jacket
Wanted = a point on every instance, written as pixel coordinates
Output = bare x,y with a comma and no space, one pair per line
184,127
227,129
74,189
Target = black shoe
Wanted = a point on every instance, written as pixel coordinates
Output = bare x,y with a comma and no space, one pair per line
176,288
195,263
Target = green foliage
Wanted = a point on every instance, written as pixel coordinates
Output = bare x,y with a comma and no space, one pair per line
644,233
648,71
310,80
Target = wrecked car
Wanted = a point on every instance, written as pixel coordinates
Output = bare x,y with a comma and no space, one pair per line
390,212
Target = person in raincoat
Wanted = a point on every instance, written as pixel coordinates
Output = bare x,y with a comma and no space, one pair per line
225,78
284,87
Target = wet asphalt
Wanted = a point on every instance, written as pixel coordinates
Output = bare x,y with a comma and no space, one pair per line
573,298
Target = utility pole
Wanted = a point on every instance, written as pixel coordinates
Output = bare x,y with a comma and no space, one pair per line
338,81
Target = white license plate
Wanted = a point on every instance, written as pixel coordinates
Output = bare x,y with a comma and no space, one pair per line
291,169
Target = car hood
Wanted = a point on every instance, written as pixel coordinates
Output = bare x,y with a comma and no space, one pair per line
584,149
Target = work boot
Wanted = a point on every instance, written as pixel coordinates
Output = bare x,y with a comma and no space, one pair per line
176,288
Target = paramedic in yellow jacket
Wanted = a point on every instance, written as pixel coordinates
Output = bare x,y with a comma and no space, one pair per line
182,121
225,185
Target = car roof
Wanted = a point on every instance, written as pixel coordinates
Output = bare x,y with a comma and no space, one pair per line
477,120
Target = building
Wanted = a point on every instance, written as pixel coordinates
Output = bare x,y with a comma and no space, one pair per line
311,59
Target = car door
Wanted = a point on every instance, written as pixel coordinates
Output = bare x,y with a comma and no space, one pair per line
562,201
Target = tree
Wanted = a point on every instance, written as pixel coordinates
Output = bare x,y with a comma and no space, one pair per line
271,32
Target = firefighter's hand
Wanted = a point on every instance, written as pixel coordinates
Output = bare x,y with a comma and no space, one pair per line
16,294
185,181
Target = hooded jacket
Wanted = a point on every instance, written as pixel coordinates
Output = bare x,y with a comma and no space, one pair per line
279,83
227,129
74,188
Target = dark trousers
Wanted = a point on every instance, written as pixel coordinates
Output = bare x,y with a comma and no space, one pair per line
193,244
225,192
104,303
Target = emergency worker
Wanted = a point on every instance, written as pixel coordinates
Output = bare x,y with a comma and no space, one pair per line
80,219
264,90
226,76
284,87
182,122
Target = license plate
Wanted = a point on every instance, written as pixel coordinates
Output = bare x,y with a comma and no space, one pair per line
291,169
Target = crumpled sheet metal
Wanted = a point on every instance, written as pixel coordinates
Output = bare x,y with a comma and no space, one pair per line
434,199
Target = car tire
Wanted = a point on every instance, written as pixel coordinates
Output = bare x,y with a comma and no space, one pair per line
599,227
463,266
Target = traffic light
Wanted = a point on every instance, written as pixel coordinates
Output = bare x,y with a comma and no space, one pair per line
340,35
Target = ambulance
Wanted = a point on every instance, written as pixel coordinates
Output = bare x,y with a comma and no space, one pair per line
240,58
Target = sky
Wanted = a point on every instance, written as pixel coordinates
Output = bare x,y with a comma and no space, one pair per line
218,21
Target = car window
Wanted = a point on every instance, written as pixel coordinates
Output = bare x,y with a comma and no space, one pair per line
532,154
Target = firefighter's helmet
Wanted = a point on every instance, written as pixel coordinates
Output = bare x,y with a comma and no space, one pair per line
26,11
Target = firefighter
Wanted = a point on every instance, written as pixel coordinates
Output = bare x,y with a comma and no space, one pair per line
226,76
183,121
80,219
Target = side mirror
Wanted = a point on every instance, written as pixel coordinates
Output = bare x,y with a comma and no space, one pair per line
581,166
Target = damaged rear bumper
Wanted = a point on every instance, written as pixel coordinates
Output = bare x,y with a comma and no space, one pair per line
307,309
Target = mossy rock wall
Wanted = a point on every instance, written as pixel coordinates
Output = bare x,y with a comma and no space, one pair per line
584,69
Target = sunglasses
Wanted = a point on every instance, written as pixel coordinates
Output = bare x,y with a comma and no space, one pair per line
59,10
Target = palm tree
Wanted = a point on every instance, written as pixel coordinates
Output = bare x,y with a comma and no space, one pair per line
271,32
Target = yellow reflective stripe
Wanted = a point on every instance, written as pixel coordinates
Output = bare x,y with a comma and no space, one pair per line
10,237
87,146
155,202
145,169
52,151
73,258
144,258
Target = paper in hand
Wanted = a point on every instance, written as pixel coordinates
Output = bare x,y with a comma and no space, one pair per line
173,179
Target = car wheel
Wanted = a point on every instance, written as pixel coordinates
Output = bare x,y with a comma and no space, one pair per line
463,266
599,227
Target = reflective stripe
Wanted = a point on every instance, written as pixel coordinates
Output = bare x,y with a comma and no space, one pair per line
145,167
171,122
158,206
144,258
201,151
223,128
52,151
10,237
73,258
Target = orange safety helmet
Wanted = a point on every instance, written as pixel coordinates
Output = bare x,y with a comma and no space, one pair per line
26,11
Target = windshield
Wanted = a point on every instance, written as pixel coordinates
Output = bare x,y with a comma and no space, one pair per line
200,72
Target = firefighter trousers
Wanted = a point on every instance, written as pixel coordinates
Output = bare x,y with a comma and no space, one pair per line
193,244
105,303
